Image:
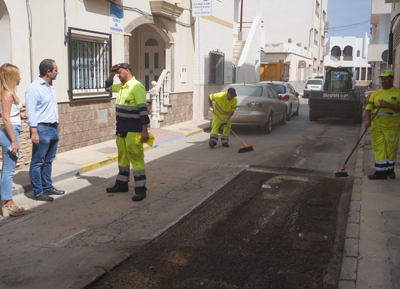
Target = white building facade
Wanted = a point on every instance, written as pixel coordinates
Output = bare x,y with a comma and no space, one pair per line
179,58
393,22
380,21
350,52
302,30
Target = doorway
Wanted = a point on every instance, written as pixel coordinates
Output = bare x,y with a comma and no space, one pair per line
152,57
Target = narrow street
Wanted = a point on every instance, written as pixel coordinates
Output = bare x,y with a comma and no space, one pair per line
284,188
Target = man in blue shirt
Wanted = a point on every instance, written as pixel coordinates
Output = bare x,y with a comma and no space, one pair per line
42,109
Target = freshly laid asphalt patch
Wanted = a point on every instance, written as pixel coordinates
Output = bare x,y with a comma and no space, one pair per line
268,228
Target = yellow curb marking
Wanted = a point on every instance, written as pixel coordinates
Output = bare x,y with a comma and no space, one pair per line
99,163
200,130
356,196
114,158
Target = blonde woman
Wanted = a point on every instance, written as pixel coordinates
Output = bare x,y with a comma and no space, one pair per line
9,135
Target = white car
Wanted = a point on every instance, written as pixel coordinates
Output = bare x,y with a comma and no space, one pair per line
288,94
312,84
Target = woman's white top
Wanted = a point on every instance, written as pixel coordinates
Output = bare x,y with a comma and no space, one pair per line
15,118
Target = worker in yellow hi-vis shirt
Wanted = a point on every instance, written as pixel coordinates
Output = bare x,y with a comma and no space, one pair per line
385,128
225,106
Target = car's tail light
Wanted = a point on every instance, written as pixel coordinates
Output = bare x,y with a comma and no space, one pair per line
286,97
254,104
306,86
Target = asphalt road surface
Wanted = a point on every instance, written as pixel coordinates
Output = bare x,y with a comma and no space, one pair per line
279,223
269,216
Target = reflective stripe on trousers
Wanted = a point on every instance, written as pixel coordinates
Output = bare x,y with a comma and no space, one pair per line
385,144
216,123
130,153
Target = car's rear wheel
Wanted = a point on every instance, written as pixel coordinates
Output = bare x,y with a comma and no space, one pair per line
296,113
268,127
290,113
283,121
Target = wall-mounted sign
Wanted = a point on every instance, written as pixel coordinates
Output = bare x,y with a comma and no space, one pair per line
116,19
201,8
302,64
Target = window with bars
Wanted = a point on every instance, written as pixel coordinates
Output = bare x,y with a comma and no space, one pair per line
217,63
89,63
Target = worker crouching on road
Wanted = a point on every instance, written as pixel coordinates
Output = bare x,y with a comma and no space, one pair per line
386,126
132,119
225,106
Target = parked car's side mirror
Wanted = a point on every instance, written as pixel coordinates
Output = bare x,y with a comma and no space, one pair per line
297,94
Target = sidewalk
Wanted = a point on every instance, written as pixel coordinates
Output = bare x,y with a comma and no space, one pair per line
75,162
371,254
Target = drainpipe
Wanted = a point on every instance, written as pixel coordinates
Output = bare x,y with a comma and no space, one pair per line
320,36
241,16
28,9
31,58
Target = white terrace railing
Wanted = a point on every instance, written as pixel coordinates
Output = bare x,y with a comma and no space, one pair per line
159,99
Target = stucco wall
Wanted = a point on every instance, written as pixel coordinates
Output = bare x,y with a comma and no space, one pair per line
211,33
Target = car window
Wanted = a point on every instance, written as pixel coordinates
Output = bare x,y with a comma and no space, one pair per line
291,89
279,88
314,81
272,93
265,91
246,90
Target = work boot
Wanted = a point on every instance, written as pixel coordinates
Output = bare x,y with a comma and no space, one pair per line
225,145
377,177
116,189
211,144
138,197
392,175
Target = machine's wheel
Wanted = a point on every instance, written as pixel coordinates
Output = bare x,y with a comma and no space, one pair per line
358,118
312,116
268,127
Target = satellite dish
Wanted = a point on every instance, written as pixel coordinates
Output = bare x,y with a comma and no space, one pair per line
385,55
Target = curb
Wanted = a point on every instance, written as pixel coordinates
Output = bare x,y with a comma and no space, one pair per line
146,147
348,272
21,189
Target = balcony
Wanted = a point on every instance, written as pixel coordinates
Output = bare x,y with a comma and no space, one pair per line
167,8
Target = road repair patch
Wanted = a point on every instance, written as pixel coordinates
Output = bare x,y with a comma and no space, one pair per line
267,228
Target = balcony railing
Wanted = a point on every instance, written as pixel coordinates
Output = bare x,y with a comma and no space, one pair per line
379,40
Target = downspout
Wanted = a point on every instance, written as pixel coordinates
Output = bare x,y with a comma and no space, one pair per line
241,16
311,51
29,12
320,36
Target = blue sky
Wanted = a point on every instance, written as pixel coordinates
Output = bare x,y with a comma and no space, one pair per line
349,13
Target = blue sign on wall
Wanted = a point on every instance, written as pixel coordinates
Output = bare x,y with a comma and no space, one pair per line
116,19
